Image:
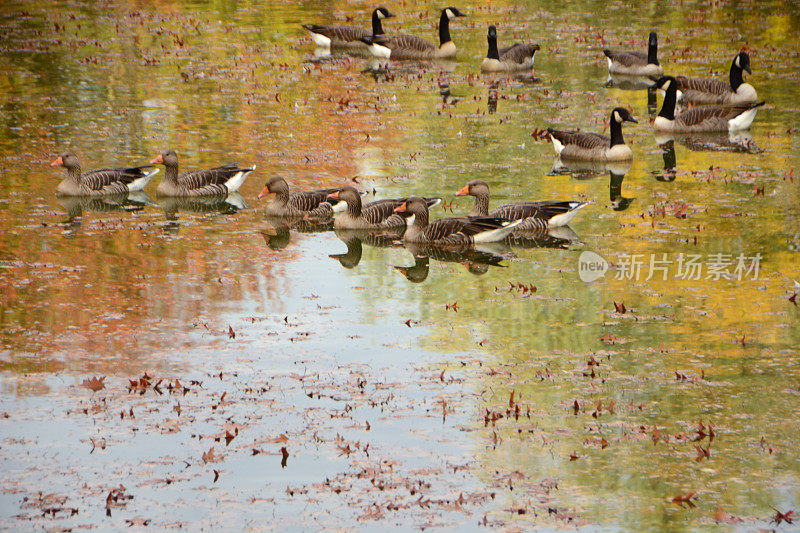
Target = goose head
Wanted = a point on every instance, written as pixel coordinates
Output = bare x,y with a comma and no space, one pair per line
347,194
67,160
474,188
414,206
452,12
620,115
383,13
665,82
168,158
653,39
742,60
275,185
492,32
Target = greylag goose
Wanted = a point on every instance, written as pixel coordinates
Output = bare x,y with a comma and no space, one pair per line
518,56
212,181
711,91
299,204
374,215
593,146
635,63
457,231
326,36
701,119
100,182
402,46
534,215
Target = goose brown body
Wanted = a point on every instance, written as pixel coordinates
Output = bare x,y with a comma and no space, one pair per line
379,214
208,182
453,231
100,182
518,56
404,46
313,203
347,36
580,145
713,91
636,63
534,215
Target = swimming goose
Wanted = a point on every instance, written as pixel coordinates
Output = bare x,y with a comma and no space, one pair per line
593,146
212,181
534,215
403,46
458,231
375,215
635,63
297,204
346,36
102,181
713,91
518,56
701,119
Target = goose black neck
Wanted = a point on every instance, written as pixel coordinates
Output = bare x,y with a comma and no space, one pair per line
444,28
481,207
493,53
377,27
616,132
652,53
670,99
736,75
354,206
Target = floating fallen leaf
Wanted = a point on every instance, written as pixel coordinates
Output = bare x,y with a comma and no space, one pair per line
231,333
284,456
779,517
685,499
94,384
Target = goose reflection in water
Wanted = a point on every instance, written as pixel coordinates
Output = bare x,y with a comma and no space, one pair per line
587,170
74,206
477,260
276,231
448,99
355,239
218,204
735,141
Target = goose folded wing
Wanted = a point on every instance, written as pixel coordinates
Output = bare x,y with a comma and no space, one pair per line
704,85
626,59
308,200
700,115
340,33
582,139
379,210
543,210
406,42
518,52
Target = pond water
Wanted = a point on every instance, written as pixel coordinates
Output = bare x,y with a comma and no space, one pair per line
454,391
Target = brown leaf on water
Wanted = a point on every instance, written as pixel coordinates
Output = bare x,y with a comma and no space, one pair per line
573,456
609,338
284,456
281,439
685,499
216,475
656,435
793,299
229,437
210,456
779,517
94,384
575,407
721,516
702,453
620,308
231,333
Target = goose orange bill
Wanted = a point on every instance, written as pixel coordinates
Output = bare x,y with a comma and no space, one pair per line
57,162
464,191
400,208
333,196
157,159
264,192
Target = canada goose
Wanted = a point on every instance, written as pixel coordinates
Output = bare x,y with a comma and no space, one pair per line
713,91
346,36
457,231
592,146
297,204
102,181
635,63
701,119
518,56
374,215
212,181
535,215
404,46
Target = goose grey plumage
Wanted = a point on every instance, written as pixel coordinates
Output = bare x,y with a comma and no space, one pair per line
701,119
534,215
518,56
213,181
100,182
593,146
327,36
712,91
454,231
313,203
374,215
635,63
403,46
